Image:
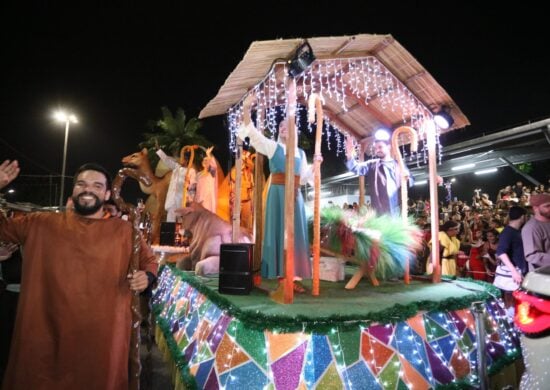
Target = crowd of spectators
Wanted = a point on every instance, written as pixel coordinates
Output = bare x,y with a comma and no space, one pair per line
478,223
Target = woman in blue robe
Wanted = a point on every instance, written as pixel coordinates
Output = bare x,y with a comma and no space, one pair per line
273,241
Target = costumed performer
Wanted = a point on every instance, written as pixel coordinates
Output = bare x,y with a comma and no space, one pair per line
74,313
247,190
10,285
273,260
177,181
207,182
382,174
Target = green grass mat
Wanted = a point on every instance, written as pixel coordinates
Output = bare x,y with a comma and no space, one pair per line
392,301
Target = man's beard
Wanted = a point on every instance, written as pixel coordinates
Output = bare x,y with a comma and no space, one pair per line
85,209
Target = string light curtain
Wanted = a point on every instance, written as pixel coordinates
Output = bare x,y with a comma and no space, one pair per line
345,83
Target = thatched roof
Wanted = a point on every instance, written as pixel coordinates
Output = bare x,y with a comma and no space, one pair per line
358,112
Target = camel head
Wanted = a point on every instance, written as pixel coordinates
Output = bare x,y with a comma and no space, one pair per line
138,160
191,214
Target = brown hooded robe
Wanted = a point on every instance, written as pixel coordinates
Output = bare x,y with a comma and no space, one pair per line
73,322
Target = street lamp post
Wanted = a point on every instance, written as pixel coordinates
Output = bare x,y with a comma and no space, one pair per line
61,116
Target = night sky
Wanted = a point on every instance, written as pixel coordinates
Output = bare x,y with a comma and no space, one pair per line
115,67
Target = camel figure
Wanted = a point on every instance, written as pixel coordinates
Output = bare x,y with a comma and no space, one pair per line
209,232
156,191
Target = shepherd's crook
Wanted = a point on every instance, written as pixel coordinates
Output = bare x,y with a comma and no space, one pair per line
404,173
134,362
189,165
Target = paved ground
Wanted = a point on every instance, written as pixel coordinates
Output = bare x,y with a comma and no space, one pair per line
160,378
152,362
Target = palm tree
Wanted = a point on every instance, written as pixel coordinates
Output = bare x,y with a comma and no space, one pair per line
171,133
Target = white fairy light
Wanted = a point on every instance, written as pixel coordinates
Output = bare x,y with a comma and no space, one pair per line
304,87
328,78
343,86
354,77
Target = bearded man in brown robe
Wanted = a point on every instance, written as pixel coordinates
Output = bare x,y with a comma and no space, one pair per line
73,323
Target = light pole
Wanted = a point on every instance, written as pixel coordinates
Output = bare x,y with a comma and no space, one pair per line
61,116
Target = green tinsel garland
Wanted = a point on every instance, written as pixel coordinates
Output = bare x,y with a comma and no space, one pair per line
462,384
492,290
286,324
504,361
175,352
494,369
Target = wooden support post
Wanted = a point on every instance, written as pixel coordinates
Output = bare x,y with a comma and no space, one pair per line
236,217
404,177
290,196
258,215
316,101
361,177
434,211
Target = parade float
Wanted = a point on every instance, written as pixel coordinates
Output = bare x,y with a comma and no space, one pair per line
353,333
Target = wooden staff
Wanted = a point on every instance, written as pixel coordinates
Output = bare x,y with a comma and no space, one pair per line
404,173
134,217
317,101
189,165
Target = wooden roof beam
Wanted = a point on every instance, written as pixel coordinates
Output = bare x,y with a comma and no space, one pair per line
348,42
373,111
341,124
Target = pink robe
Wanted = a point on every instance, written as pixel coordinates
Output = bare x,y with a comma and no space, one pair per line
207,187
